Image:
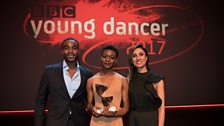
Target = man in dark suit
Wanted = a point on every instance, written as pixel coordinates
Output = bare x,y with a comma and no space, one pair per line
62,91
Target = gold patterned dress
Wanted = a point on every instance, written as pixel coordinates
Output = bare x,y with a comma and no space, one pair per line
114,87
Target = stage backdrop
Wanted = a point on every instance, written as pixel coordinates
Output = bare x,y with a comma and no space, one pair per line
182,38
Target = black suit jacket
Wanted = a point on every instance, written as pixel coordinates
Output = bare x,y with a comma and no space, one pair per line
53,89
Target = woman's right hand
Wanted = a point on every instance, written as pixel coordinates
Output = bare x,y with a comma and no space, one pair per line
97,111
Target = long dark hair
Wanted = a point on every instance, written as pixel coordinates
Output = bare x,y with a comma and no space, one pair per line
132,68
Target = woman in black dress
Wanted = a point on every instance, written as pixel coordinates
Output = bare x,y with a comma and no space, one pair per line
146,91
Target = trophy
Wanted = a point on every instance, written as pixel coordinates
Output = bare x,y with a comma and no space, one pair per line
100,89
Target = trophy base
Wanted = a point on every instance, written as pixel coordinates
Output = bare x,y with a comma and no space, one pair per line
113,109
99,111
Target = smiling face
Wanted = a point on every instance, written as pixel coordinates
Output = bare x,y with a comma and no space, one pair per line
139,58
108,59
70,51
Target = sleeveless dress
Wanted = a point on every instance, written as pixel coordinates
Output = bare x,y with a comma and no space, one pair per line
114,90
144,100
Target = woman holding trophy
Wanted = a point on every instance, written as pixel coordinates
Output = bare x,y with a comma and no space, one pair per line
107,92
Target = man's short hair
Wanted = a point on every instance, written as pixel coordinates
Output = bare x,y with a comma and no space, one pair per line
69,39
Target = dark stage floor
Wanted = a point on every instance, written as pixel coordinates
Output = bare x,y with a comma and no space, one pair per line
175,116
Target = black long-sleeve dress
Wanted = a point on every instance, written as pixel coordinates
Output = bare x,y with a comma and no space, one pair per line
144,100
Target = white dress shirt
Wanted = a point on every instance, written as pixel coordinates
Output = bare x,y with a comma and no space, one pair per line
72,84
